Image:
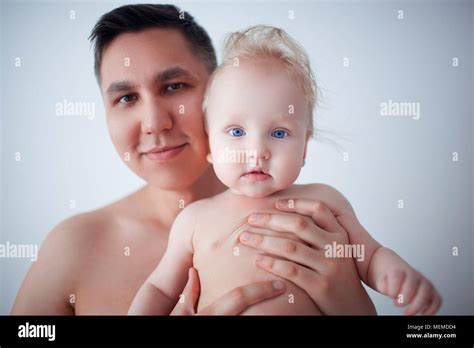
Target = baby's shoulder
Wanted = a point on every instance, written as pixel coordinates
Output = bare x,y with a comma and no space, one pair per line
197,210
324,193
198,206
312,190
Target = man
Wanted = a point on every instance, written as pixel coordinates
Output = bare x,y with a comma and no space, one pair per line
152,63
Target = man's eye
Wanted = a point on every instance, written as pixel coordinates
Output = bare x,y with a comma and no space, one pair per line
127,98
174,87
279,133
236,132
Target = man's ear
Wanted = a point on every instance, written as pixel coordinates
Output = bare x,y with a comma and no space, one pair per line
209,157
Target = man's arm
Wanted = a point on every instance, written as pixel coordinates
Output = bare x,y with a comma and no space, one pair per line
51,280
160,292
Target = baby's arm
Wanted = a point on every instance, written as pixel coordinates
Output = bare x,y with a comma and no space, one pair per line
381,268
160,292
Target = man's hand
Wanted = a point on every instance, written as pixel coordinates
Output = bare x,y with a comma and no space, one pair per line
232,303
332,283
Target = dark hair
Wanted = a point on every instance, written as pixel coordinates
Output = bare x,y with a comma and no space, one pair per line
135,18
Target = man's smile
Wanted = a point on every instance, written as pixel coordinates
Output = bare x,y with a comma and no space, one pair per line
164,153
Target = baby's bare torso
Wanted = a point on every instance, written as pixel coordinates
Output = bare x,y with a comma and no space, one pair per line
224,263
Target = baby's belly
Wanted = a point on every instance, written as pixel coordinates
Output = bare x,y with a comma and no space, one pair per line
224,267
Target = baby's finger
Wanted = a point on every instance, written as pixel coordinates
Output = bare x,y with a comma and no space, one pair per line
434,306
408,290
382,285
394,284
421,299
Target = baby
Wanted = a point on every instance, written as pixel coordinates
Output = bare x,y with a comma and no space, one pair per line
259,117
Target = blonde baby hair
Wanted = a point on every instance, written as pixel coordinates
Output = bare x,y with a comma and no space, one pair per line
267,42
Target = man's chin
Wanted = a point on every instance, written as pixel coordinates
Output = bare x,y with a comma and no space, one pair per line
174,178
170,182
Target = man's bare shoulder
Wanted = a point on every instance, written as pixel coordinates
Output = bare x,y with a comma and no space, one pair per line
90,225
75,234
55,274
66,252
83,224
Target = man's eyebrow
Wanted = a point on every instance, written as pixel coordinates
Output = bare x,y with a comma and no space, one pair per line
165,75
119,86
172,73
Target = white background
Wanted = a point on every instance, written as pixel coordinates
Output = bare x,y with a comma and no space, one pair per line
390,158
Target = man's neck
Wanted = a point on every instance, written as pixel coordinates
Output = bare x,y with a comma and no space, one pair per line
167,204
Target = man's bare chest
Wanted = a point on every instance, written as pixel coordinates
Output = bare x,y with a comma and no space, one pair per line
110,280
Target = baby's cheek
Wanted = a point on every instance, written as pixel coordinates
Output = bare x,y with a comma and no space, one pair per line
288,167
227,173
289,175
227,161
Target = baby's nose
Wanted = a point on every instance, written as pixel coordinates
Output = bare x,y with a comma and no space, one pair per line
259,154
264,154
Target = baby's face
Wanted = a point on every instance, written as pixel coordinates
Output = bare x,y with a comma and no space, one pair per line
257,120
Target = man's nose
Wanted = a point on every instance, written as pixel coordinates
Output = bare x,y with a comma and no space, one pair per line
156,118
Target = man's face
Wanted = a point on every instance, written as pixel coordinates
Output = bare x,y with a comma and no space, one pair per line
153,87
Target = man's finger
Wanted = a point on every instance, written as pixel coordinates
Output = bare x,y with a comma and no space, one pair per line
286,248
192,294
237,300
300,226
189,298
297,274
317,210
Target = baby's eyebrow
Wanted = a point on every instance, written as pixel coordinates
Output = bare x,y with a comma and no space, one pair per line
287,117
239,115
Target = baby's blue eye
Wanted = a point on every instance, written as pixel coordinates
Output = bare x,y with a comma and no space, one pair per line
236,132
279,133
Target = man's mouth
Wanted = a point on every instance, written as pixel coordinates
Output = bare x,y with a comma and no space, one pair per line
164,153
256,174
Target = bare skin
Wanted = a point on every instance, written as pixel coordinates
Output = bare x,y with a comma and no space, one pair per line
95,262
83,266
94,266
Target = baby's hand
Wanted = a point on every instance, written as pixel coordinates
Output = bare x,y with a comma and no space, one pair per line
409,288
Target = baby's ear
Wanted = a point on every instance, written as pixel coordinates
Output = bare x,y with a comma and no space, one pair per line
209,158
308,138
